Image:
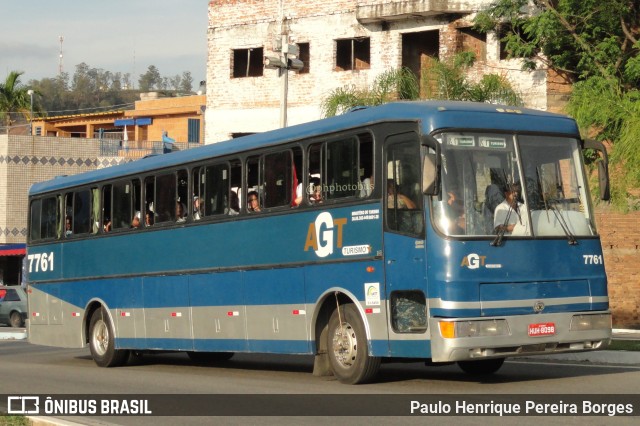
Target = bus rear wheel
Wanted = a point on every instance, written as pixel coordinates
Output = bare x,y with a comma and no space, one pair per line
481,367
347,347
102,341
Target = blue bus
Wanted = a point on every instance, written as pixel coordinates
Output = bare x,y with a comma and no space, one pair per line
435,231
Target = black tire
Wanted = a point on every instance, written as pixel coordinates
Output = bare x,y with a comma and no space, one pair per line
348,349
481,367
16,320
209,357
102,341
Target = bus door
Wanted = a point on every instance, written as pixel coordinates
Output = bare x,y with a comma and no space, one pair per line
404,247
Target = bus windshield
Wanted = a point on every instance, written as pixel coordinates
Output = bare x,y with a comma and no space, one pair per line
512,185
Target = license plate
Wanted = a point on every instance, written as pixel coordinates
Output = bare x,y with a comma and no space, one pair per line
542,329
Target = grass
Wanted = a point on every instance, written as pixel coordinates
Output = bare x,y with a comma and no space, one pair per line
6,420
624,345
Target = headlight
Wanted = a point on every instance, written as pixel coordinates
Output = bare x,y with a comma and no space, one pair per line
590,322
453,329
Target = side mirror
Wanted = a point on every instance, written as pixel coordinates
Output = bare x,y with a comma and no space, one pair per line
603,167
430,174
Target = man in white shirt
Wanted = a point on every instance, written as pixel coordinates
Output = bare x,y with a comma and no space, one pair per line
511,216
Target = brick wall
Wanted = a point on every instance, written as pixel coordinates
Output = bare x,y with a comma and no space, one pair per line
620,235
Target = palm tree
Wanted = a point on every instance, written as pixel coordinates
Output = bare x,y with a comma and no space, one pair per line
443,80
14,99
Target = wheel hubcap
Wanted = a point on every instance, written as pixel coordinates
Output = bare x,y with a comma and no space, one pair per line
100,337
345,345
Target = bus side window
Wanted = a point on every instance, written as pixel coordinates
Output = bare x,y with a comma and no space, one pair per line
365,165
315,191
278,179
165,200
149,197
34,231
107,224
404,198
254,183
217,189
125,204
197,182
182,196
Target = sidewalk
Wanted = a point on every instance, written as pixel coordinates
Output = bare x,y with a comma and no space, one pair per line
10,333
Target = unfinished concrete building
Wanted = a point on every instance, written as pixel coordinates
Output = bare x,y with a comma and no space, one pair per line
341,42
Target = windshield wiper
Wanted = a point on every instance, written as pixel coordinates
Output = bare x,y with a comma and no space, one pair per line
497,241
564,225
547,206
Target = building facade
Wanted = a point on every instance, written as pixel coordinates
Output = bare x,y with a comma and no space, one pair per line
341,43
181,118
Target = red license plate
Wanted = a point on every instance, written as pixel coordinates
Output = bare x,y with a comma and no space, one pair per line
542,329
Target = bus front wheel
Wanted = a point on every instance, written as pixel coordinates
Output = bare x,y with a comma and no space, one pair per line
102,341
347,347
481,366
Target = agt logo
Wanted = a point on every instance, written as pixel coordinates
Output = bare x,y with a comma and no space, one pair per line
473,261
324,234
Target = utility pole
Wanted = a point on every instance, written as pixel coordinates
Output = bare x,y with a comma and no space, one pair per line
287,60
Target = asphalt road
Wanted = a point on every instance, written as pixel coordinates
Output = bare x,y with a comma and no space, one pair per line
29,369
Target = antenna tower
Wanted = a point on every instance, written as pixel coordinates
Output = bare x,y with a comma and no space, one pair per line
60,60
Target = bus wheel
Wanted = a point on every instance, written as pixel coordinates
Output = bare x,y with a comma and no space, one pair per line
209,357
347,347
16,319
102,341
482,366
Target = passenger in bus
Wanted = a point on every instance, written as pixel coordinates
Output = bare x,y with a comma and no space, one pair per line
234,204
180,213
511,216
135,222
148,218
315,190
298,199
197,208
366,187
396,199
253,202
106,226
68,231
458,223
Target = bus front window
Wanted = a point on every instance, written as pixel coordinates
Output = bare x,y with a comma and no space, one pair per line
490,187
555,187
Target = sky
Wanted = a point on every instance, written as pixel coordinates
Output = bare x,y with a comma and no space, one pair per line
124,36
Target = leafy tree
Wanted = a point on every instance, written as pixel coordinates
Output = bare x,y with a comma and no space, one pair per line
150,80
14,99
390,85
597,43
186,83
443,80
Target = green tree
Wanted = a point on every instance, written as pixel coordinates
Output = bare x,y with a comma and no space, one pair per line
14,99
444,80
391,85
186,83
597,43
150,80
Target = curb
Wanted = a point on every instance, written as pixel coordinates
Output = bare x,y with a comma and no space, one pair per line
597,357
13,335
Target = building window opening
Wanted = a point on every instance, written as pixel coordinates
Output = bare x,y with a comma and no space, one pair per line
248,62
353,54
304,56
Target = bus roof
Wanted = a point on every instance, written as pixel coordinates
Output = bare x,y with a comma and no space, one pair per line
434,115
